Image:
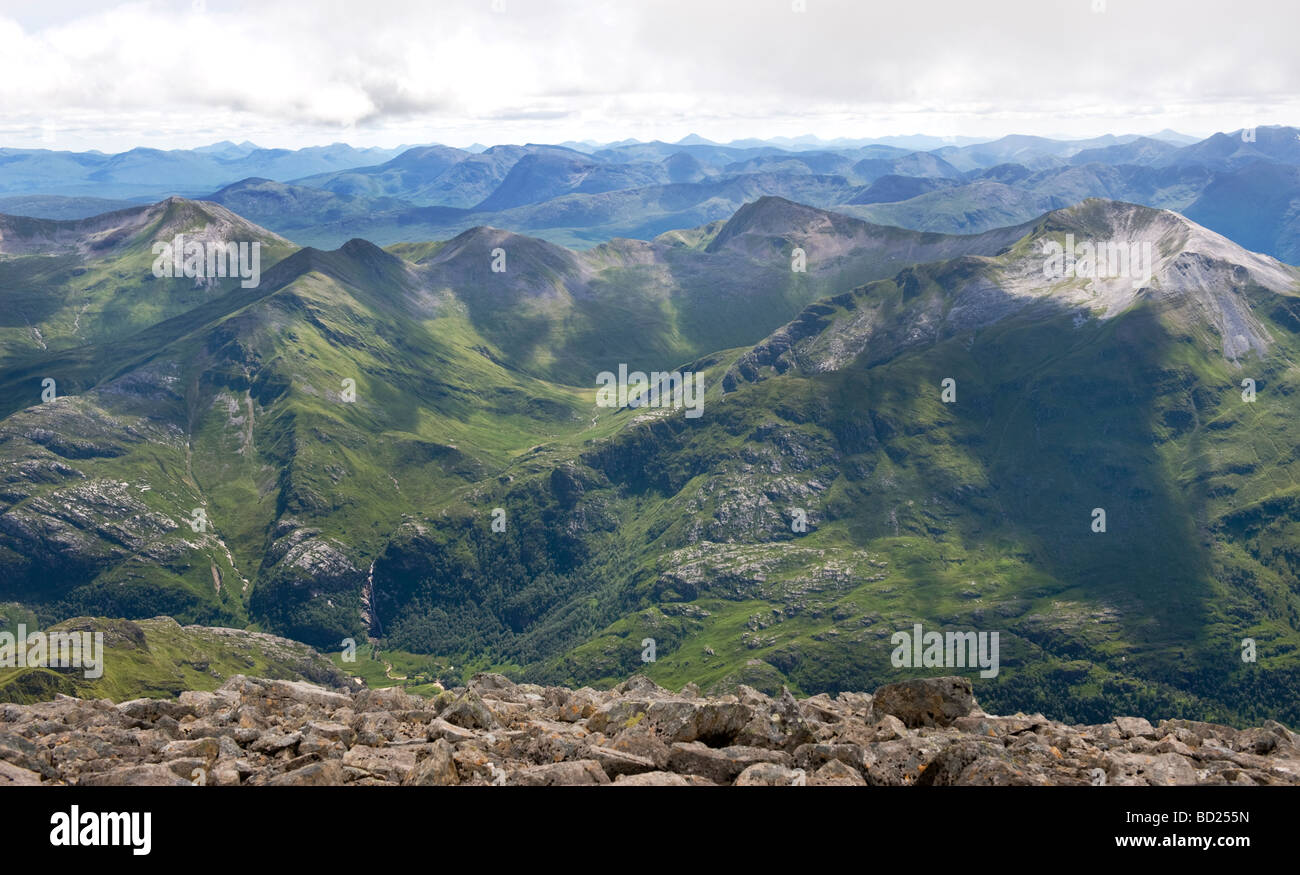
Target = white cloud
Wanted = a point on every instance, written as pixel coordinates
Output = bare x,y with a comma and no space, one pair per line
296,72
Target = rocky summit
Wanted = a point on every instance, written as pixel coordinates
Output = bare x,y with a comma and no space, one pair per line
254,731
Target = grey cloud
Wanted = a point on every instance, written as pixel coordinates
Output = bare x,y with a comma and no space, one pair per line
572,66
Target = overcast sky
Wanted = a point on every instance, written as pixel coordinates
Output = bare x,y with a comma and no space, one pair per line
287,73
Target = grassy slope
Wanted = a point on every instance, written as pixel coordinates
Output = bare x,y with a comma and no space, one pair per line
979,516
969,516
160,658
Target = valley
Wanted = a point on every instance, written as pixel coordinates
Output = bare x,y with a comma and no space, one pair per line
350,427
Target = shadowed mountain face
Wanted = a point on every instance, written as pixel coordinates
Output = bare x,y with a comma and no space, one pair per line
406,443
568,315
1258,206
541,176
205,394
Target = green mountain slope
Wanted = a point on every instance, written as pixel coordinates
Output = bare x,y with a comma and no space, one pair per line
328,514
71,283
973,515
160,658
211,462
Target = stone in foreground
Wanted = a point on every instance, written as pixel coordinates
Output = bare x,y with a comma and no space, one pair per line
929,732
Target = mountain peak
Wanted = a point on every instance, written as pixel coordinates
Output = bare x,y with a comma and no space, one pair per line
357,264
480,235
1190,271
1200,285
176,215
133,226
776,216
358,247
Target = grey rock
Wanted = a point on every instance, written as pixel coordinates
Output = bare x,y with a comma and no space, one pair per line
308,694
150,710
640,685
387,699
568,774
332,731
1131,727
438,769
1160,770
15,776
613,717
146,775
888,728
205,749
616,762
577,705
770,775
193,769
837,774
329,773
926,701
20,752
260,732
811,757
651,779
643,743
439,728
900,763
469,712
392,764
721,765
273,742
687,720
493,686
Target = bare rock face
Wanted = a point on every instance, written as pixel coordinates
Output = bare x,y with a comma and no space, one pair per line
926,701
927,732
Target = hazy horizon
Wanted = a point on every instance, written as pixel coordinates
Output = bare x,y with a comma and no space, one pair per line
955,139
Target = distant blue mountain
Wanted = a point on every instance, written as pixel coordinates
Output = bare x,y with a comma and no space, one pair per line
1242,184
154,173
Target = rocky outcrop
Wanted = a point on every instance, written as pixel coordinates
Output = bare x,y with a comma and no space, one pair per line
494,732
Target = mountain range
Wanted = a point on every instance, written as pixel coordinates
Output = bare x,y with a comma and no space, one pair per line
580,195
398,437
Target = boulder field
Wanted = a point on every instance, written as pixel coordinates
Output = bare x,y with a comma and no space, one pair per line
262,732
